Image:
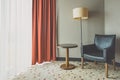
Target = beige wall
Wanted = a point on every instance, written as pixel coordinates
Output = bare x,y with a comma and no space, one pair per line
112,22
69,29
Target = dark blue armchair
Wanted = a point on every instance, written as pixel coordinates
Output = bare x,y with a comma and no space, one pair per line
102,50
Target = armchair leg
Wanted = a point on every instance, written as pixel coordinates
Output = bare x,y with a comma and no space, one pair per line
114,64
95,62
106,70
82,62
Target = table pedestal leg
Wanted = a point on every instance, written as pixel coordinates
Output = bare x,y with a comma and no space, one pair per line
67,66
67,58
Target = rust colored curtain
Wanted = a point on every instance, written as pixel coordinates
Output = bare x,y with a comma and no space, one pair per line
43,31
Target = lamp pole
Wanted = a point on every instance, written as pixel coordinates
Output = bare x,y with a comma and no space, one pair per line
81,37
82,60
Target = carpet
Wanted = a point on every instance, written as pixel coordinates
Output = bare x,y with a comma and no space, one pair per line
52,71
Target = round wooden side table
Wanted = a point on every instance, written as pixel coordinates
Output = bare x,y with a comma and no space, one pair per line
67,66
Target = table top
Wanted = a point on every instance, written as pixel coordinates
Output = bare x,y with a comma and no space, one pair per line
68,45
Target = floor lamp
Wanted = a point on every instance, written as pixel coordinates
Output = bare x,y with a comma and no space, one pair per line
79,14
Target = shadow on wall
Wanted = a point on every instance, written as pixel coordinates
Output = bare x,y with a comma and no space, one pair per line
118,46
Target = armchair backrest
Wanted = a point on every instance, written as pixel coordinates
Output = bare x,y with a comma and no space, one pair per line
104,41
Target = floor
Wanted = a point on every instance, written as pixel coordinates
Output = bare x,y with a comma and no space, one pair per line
52,71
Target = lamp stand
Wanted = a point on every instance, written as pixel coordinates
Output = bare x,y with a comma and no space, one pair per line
81,36
82,60
79,14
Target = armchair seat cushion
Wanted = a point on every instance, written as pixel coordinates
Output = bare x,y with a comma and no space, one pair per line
94,58
91,52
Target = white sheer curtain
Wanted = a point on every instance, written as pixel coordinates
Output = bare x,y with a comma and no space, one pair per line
15,37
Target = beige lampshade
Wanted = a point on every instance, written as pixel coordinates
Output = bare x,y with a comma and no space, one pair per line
80,13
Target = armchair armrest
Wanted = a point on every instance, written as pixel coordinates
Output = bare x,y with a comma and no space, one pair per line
105,50
89,48
89,45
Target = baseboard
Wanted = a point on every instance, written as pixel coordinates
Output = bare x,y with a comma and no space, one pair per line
79,59
70,59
